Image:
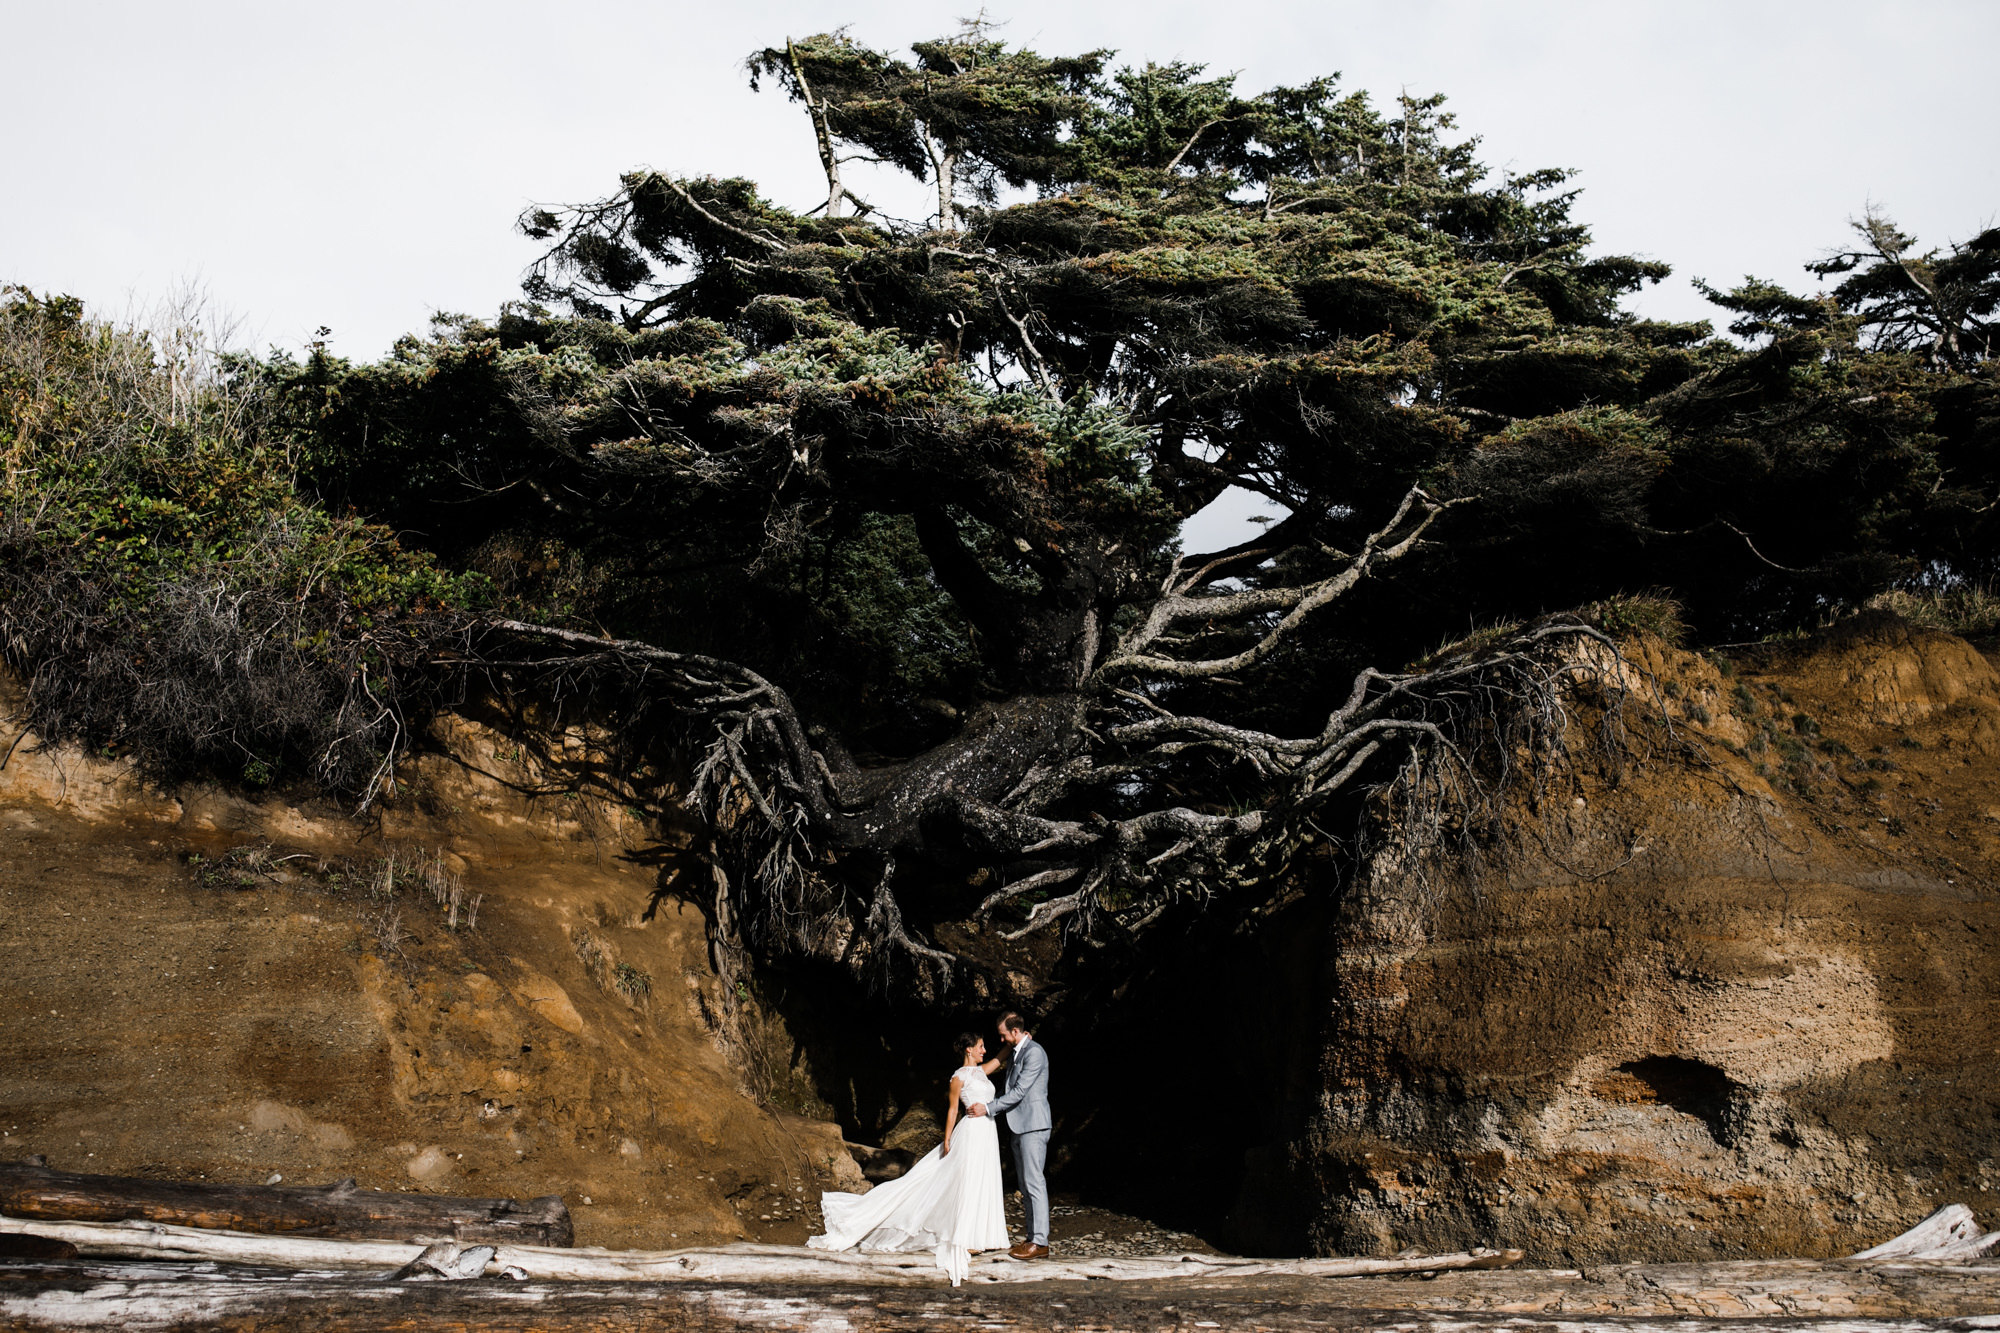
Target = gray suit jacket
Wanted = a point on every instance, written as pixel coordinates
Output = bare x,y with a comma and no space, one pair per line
1024,1107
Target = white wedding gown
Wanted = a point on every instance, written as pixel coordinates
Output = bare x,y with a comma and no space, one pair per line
946,1203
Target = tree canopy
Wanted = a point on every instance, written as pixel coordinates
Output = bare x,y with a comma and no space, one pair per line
888,511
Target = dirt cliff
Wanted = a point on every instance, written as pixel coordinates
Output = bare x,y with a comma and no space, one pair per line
1733,997
480,991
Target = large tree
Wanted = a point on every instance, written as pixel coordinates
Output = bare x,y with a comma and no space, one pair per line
889,510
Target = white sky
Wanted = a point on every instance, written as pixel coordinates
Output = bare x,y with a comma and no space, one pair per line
359,166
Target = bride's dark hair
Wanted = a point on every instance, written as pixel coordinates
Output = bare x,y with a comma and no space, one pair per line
967,1040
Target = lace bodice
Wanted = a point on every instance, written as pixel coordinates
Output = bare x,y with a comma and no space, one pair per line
973,1086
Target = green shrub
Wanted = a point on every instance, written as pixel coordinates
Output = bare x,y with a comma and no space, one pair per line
630,982
1623,616
169,591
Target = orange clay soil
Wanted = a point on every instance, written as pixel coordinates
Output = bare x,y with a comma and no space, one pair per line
198,986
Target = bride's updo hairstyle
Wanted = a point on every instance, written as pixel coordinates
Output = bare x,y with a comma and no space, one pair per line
966,1041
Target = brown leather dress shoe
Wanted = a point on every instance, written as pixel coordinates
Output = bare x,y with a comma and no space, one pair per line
1034,1252
1022,1250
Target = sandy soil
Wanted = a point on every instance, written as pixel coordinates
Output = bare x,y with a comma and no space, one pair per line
174,1008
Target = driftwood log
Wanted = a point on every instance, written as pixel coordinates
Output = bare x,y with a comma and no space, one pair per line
1670,1298
1875,1292
31,1190
727,1263
1949,1233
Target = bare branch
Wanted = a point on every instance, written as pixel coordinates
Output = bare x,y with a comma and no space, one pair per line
1052,910
1028,885
1787,569
1188,147
768,242
1035,360
1176,606
886,917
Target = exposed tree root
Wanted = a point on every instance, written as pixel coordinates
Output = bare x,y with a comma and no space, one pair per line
814,846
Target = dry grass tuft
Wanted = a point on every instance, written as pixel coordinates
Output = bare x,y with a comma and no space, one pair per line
1971,611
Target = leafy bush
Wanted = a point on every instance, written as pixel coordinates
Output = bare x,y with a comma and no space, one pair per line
166,589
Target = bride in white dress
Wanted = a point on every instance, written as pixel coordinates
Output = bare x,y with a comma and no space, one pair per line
950,1202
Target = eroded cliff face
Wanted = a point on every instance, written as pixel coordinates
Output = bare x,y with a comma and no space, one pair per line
194,983
1733,997
1737,999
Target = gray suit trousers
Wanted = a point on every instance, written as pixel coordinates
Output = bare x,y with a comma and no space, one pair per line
1031,1150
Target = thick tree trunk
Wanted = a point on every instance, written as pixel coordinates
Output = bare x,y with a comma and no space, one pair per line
29,1190
989,757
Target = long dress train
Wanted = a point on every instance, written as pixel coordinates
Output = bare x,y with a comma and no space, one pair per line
946,1203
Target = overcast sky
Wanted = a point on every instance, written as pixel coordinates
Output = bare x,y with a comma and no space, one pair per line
359,166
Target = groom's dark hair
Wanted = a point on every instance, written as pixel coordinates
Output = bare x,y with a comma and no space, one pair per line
1012,1021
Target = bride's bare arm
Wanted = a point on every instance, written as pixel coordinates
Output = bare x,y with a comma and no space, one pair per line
991,1065
950,1116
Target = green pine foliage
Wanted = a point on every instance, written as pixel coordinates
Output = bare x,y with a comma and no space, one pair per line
1289,291
908,468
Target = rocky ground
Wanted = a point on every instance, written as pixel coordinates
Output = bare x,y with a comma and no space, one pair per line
1078,1231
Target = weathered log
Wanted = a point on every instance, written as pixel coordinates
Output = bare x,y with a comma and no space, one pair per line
162,1293
31,1190
728,1263
1949,1233
140,1298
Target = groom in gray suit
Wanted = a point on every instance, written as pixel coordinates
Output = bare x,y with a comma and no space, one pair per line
1025,1105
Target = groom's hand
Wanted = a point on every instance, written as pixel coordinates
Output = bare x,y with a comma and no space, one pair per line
978,1110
